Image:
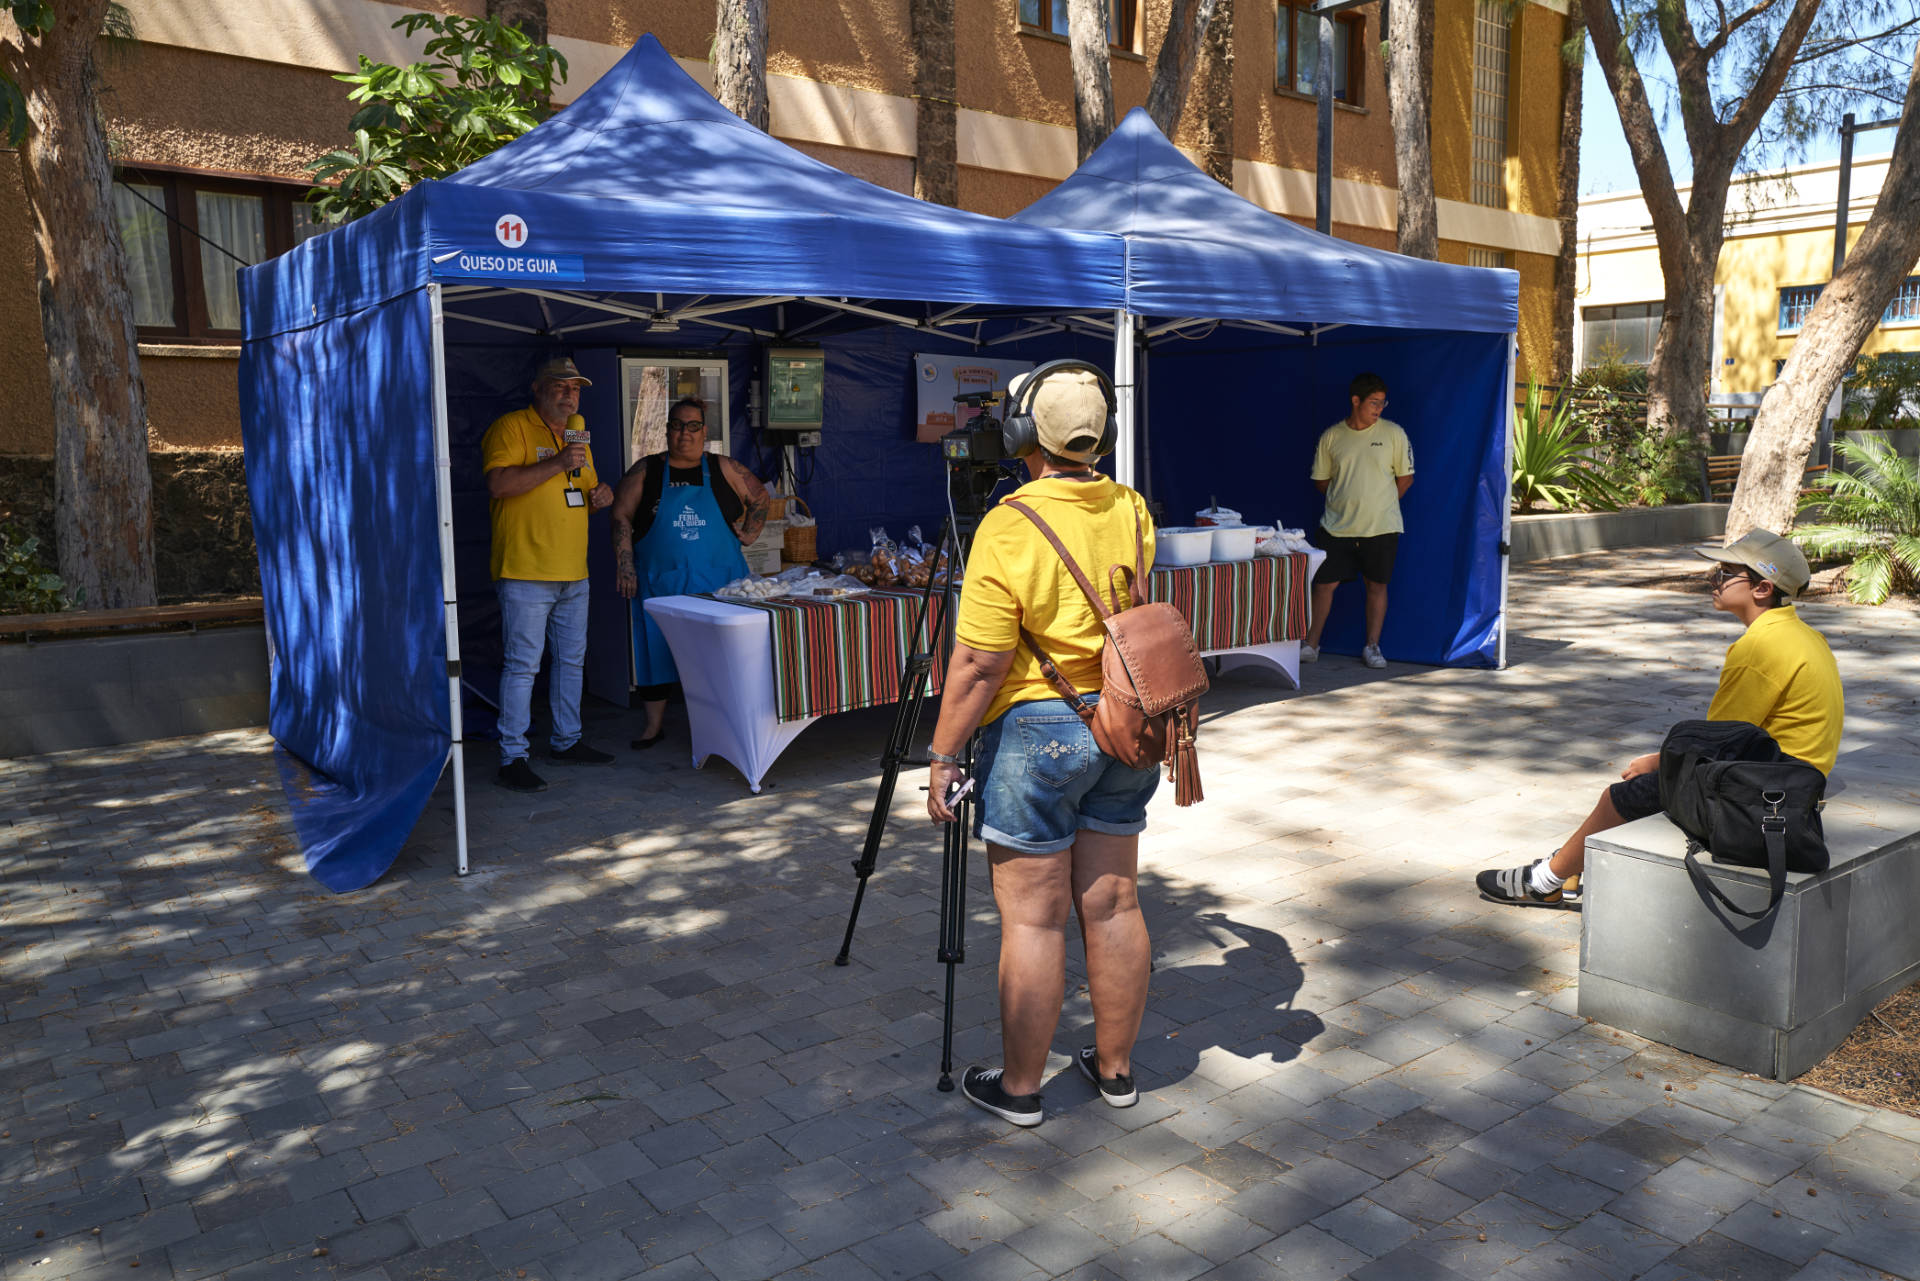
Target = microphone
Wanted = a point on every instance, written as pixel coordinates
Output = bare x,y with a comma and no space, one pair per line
577,434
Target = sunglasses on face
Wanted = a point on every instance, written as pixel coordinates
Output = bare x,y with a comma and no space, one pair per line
1723,575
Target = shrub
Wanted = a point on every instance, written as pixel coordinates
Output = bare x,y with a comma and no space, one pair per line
1550,459
1881,393
1870,513
27,586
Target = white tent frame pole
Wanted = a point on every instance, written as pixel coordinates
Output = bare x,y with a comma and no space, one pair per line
1506,491
1123,443
449,589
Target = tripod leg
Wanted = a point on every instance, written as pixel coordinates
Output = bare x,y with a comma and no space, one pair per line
906,722
953,914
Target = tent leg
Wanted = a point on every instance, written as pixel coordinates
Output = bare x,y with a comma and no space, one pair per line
449,591
1506,492
1123,468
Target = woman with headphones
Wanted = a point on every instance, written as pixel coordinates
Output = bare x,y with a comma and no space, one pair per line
1061,819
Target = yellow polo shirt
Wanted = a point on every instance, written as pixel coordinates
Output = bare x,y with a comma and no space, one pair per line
535,534
1363,499
1015,579
1780,675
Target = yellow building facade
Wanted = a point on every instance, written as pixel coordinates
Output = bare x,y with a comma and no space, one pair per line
214,112
1777,254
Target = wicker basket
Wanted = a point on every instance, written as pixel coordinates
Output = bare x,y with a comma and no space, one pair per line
802,544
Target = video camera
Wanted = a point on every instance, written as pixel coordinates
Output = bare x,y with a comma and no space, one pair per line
975,455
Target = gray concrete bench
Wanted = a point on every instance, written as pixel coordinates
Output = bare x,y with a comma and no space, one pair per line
1660,959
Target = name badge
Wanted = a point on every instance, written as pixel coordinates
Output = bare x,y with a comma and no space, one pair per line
541,453
575,498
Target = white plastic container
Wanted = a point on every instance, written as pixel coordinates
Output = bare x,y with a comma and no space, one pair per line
1209,516
1176,545
1233,542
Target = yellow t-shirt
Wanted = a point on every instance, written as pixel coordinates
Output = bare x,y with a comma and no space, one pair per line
1363,500
1780,675
535,534
1016,580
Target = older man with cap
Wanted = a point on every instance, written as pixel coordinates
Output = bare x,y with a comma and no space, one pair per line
543,485
1780,675
1062,819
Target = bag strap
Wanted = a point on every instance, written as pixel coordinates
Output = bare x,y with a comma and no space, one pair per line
1073,566
1773,830
1068,694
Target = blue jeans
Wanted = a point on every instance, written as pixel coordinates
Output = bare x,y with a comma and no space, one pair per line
1042,780
534,614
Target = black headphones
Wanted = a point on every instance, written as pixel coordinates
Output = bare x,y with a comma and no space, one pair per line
1021,435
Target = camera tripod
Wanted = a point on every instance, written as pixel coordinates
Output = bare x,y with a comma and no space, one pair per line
933,636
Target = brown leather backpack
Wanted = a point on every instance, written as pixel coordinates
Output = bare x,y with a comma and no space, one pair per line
1150,670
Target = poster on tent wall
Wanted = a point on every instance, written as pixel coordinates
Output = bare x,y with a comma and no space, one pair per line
941,378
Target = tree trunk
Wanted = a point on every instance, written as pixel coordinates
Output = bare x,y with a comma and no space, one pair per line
530,16
1173,67
1566,266
1410,99
1682,360
103,516
1849,308
1092,73
936,167
740,60
1217,93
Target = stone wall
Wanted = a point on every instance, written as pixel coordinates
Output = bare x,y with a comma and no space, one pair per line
202,522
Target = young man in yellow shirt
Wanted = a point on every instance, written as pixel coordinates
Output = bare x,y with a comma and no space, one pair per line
1364,465
1780,675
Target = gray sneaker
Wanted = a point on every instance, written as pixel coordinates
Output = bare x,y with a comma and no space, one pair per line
1309,653
1372,656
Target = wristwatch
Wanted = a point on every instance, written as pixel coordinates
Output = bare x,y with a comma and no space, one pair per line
942,758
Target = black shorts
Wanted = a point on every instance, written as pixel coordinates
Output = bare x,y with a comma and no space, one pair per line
1351,558
1638,796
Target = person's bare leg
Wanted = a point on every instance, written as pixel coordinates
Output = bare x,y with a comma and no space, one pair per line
1322,602
1376,611
1033,892
1572,856
656,717
1106,898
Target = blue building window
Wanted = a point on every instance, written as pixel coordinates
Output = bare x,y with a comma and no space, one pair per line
1795,303
1905,307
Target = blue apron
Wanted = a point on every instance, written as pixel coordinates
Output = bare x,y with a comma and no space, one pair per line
689,548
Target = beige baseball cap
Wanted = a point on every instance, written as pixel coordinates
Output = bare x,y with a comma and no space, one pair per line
1767,554
1069,404
561,369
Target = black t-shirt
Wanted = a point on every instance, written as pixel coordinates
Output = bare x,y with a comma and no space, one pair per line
659,475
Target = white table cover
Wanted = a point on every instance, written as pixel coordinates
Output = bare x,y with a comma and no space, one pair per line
725,656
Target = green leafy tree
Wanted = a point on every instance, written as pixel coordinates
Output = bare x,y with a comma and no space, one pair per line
1882,393
27,586
483,84
1552,465
1871,513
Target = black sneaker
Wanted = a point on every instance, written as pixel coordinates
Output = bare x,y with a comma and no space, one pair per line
581,754
1118,1091
1514,885
518,776
982,1088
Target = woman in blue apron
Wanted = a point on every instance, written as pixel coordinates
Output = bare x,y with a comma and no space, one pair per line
687,517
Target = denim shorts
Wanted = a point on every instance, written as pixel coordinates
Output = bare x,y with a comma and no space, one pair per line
1042,781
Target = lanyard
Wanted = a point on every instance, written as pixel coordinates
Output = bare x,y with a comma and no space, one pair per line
559,446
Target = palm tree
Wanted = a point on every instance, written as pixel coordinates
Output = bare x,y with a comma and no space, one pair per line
1870,512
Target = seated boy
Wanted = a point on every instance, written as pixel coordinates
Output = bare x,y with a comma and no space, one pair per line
1779,675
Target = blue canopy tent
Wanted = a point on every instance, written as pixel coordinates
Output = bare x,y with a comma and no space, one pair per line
1256,324
644,215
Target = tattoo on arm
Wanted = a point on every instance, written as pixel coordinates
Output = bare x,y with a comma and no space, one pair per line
754,519
623,542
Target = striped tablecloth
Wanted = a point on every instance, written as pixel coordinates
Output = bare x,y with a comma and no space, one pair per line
838,655
1234,604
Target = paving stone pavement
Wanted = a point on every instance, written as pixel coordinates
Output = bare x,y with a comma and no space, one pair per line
620,1047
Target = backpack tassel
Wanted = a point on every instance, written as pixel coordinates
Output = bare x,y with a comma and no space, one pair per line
1183,760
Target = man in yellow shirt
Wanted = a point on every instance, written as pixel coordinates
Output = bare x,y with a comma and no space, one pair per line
1780,675
543,485
1364,465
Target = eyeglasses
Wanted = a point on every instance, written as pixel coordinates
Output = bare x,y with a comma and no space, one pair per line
1724,574
688,424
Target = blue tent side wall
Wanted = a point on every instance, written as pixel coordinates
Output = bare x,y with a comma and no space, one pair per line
1235,418
337,422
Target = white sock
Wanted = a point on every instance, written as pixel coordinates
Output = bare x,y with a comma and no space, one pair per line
1543,880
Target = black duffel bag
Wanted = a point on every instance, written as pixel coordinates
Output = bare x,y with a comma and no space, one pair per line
1735,794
